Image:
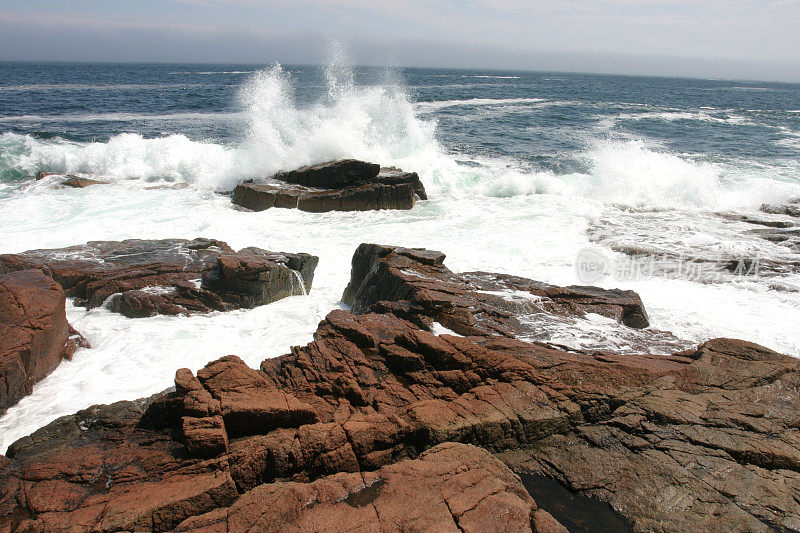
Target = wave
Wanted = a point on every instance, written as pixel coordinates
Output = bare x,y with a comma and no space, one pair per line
703,115
376,123
96,87
441,104
122,117
493,77
212,72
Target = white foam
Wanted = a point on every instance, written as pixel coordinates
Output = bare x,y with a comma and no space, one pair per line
95,86
124,117
438,329
494,77
441,104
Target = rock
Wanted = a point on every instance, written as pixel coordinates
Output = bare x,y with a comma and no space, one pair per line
254,277
34,333
472,303
451,487
96,471
333,174
80,183
345,185
141,278
758,221
69,180
709,448
249,402
714,429
380,423
788,210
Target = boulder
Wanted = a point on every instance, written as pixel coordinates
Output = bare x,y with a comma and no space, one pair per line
34,333
345,185
713,429
141,278
472,303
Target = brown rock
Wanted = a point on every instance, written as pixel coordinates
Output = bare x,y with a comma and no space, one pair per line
141,278
472,303
452,487
345,185
70,180
95,471
249,402
79,183
34,333
43,174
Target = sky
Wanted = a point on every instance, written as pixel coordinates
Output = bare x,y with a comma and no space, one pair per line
736,39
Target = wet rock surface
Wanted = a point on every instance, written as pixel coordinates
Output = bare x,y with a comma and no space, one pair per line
792,210
414,283
34,333
345,185
698,246
379,423
140,278
68,180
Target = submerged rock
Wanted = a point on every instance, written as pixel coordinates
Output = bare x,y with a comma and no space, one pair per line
80,183
345,185
140,278
69,180
34,333
788,210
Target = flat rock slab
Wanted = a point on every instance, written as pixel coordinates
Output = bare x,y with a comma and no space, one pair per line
34,333
345,185
140,278
450,488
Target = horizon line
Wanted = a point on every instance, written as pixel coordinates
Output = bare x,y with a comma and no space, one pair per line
395,67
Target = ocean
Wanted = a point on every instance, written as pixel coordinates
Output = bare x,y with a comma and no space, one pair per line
528,173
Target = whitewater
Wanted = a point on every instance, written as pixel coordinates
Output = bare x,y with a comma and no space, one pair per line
524,172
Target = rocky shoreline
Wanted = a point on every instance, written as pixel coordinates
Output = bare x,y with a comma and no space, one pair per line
416,409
